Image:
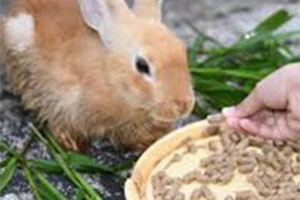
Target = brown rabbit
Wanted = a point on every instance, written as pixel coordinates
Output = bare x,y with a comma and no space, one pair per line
96,67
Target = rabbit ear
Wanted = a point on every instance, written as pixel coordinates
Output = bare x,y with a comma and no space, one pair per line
148,9
102,15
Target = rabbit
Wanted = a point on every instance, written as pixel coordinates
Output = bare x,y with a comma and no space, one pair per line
97,69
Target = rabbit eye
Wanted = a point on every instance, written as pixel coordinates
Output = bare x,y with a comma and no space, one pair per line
142,66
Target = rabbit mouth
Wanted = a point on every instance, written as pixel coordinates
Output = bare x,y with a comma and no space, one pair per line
165,119
173,114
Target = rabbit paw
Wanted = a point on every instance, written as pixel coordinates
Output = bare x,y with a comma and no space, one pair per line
66,139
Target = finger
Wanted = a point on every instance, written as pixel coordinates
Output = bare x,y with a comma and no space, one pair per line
274,127
260,129
235,124
247,107
252,124
249,126
294,103
284,130
250,105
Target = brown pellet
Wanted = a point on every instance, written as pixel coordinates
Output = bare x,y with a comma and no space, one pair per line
179,196
171,194
207,193
213,146
219,158
203,178
191,176
296,169
161,179
294,145
266,148
243,144
206,162
229,197
226,178
245,195
216,178
234,137
244,160
226,141
244,169
270,142
215,119
288,150
196,194
271,160
298,158
212,129
279,143
176,158
256,141
160,191
281,158
264,192
191,148
259,157
176,183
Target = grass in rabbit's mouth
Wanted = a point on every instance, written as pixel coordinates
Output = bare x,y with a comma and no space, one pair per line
222,76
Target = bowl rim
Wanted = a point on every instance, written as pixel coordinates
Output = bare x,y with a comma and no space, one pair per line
135,186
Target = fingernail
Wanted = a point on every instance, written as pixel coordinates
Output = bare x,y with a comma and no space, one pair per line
229,111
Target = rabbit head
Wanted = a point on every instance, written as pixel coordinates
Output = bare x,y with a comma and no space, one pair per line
151,73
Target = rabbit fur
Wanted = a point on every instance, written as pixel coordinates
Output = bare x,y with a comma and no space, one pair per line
97,68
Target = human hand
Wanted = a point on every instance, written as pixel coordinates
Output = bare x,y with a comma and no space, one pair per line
272,110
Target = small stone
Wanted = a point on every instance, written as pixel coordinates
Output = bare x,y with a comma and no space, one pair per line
10,197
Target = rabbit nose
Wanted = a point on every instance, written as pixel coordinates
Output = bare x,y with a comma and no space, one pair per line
184,106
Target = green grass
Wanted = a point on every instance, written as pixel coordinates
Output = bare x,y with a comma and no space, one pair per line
69,164
222,76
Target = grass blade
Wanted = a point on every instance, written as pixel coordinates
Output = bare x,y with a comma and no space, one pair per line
273,22
47,190
88,164
66,169
32,183
61,157
53,142
87,187
3,146
50,166
203,36
38,134
235,73
8,173
4,162
80,194
85,163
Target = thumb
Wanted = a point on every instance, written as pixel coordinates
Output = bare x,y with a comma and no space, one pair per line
247,107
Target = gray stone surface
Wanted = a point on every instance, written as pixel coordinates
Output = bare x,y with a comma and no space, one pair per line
223,19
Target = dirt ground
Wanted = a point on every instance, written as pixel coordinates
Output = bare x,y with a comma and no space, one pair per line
222,19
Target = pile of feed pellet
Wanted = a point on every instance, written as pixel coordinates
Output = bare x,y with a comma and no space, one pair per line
269,167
